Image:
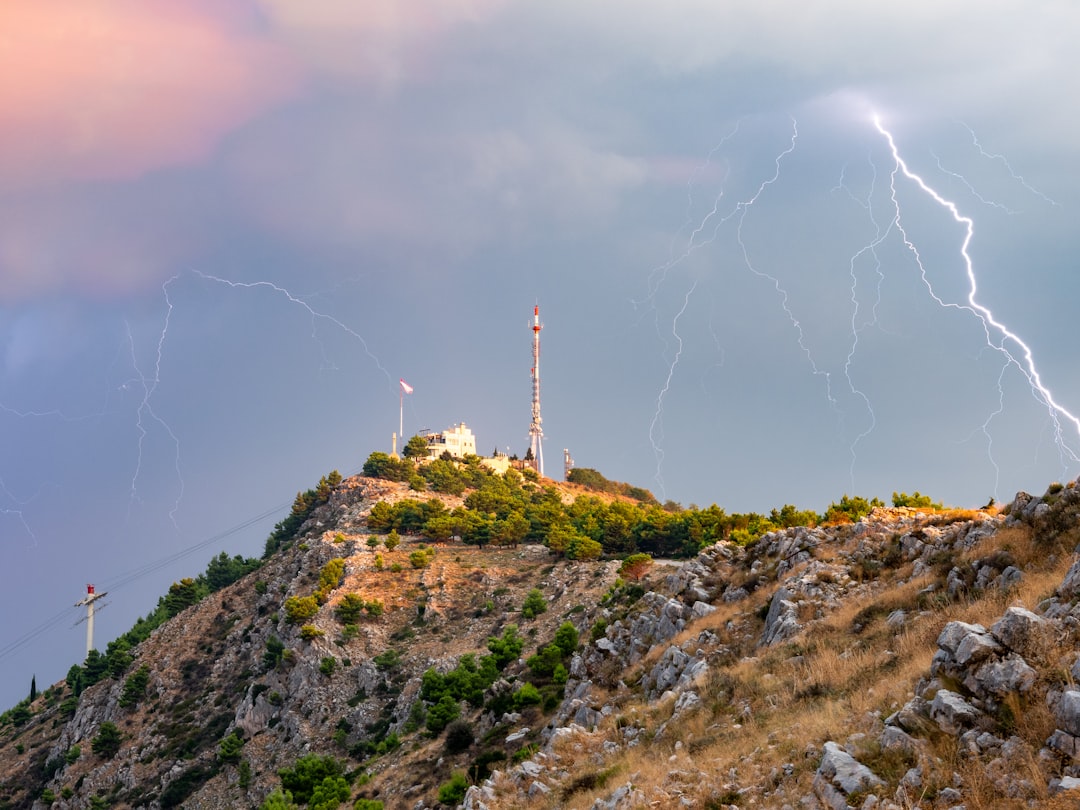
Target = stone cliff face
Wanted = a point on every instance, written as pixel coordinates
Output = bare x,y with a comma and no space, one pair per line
915,658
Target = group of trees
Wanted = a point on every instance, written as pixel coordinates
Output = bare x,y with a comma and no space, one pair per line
508,509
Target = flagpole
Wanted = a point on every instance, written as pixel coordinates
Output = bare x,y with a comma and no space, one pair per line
401,413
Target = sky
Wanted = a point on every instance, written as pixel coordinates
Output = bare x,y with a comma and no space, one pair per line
228,230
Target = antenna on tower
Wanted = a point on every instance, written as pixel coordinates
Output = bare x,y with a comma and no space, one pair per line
89,601
536,432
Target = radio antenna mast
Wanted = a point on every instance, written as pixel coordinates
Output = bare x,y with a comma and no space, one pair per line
536,432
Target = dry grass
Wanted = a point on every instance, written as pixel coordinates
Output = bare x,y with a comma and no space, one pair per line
841,676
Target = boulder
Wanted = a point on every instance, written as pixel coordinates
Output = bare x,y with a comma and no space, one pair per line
1023,632
839,775
1068,712
951,712
782,622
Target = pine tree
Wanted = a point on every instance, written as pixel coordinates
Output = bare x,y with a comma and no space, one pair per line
33,688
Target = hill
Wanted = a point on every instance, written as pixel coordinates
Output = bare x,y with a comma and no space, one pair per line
916,657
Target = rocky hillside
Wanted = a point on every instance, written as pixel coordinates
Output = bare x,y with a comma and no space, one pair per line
916,658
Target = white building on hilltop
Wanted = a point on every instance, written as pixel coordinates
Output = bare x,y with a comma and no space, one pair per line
458,441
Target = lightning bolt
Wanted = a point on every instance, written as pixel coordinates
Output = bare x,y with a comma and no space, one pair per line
870,249
1004,161
146,410
716,220
658,275
974,192
998,336
16,513
742,210
316,316
657,424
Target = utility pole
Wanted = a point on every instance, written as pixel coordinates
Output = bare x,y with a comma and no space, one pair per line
89,601
536,432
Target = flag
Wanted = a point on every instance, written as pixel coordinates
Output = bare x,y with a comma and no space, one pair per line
405,387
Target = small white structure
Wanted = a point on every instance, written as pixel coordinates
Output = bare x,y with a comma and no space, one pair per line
458,441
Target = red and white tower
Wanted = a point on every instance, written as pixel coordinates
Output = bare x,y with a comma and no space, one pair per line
536,431
89,601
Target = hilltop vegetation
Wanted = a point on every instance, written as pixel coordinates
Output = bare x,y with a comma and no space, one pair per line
505,641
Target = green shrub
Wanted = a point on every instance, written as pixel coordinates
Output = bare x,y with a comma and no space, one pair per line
507,647
368,804
453,792
330,793
421,558
275,651
534,605
459,736
298,609
310,631
328,665
387,659
330,577
230,747
439,716
308,773
527,695
278,800
72,755
107,742
566,638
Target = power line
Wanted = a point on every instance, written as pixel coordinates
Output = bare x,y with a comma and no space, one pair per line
140,572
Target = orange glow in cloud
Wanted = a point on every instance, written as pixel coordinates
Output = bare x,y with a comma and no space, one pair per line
114,88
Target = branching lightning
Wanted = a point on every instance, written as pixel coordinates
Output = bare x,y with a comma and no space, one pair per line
998,335
146,409
316,316
1004,162
16,513
867,273
656,426
869,249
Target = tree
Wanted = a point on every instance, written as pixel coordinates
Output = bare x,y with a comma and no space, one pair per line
417,447
107,742
916,500
439,529
439,716
182,594
512,530
230,748
298,609
566,638
534,604
584,548
118,656
634,567
459,736
135,687
850,510
308,773
349,608
506,648
330,793
275,651
392,541
33,688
